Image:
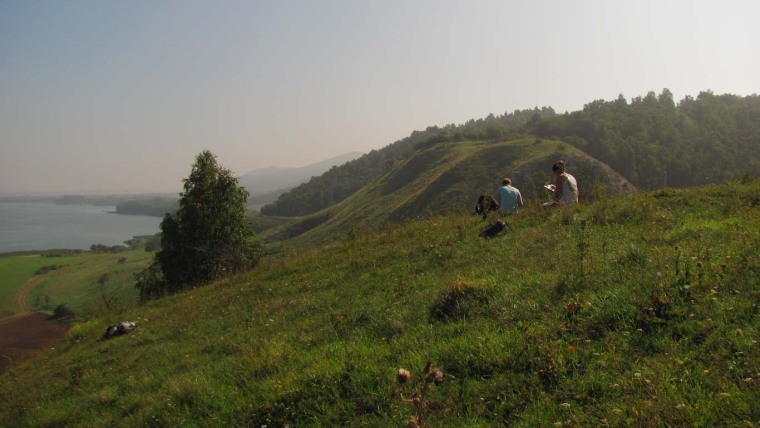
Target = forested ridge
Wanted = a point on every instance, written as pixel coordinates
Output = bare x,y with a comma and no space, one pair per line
154,207
652,141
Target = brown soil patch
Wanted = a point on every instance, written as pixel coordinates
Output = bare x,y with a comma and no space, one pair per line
27,334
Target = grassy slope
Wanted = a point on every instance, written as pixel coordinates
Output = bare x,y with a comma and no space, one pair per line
74,282
16,270
77,285
638,311
446,178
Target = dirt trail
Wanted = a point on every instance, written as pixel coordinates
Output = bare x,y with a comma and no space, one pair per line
25,290
21,296
26,333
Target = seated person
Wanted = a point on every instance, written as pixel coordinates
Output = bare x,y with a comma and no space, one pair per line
565,187
508,197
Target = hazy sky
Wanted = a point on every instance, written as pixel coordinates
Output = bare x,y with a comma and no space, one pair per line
121,95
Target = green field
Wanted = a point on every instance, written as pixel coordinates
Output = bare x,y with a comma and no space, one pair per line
16,270
636,311
71,279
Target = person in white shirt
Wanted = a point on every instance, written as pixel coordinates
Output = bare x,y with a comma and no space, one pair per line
565,187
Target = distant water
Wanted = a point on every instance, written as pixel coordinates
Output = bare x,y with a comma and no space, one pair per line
45,225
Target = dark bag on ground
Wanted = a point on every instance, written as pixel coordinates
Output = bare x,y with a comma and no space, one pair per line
493,230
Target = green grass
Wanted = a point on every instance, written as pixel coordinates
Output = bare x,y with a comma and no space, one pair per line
72,280
78,285
639,311
17,269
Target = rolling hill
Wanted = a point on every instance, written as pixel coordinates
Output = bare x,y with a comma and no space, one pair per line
448,177
652,141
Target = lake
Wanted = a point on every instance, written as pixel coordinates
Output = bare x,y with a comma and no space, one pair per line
28,226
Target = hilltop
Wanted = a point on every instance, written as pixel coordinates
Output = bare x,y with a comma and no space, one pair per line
448,177
637,310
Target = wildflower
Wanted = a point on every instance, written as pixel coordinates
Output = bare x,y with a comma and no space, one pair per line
435,375
403,376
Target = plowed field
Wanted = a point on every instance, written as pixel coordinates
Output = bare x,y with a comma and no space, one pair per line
25,334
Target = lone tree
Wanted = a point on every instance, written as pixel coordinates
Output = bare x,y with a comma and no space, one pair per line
208,237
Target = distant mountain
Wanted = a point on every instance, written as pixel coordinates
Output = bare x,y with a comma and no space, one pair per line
274,181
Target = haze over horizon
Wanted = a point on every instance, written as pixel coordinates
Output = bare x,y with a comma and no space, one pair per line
121,96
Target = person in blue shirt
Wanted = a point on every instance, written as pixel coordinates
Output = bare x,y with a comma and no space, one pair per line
508,198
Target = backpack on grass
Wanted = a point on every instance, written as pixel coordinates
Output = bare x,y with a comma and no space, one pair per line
493,230
485,204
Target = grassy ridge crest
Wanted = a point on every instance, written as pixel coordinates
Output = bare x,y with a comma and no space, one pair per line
447,178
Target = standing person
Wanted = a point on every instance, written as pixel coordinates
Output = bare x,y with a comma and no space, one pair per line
565,187
508,198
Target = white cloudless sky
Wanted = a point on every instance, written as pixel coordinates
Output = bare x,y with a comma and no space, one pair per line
120,96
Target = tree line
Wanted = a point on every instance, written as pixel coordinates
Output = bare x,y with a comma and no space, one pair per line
156,207
652,141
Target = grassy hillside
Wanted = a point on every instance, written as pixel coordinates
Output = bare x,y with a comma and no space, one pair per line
89,284
447,178
639,311
84,281
19,269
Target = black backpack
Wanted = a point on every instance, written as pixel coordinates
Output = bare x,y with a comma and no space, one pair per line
493,230
485,204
